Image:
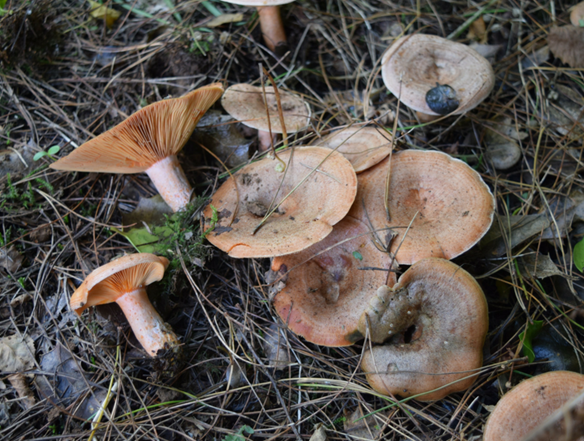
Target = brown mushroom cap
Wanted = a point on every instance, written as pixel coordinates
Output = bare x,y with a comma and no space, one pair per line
246,103
329,284
363,146
433,325
304,218
525,406
148,136
415,63
455,207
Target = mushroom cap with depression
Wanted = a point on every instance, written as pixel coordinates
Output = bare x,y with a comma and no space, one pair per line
329,284
452,206
431,327
246,104
318,188
414,64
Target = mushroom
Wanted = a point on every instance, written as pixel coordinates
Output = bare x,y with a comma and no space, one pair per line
318,188
431,326
124,281
363,146
328,284
577,15
246,103
148,141
450,205
525,406
270,22
415,64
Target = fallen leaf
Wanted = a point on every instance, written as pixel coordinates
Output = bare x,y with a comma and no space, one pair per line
102,12
319,433
501,148
275,348
16,354
357,427
148,239
478,30
538,265
224,19
10,258
152,211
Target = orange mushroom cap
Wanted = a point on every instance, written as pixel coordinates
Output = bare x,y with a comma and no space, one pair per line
455,207
320,199
415,63
123,281
329,284
432,325
525,406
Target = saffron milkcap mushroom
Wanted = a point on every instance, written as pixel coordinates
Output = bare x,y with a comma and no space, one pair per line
449,203
124,282
415,64
431,327
328,284
246,104
148,141
311,199
270,22
577,15
363,146
524,407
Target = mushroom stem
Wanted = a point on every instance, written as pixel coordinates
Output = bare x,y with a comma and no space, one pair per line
169,179
265,140
149,328
272,27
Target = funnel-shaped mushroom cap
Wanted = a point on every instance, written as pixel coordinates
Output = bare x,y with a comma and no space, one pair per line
110,281
313,201
145,138
415,63
363,146
329,284
455,207
529,403
246,103
433,325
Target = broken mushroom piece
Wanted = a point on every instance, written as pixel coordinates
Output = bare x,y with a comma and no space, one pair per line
270,22
328,284
318,188
124,282
527,405
246,104
431,326
449,203
148,141
362,146
415,64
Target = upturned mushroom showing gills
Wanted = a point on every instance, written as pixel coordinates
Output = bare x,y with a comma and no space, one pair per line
246,104
431,327
124,282
527,405
450,205
415,63
318,188
329,284
148,141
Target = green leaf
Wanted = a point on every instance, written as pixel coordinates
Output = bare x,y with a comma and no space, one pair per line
145,241
2,3
357,255
38,155
53,150
526,336
578,255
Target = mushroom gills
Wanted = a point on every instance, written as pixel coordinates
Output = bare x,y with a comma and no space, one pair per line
442,99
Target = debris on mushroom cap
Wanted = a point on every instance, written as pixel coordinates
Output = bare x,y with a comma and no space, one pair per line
415,63
567,44
151,134
362,146
246,104
525,406
433,325
329,284
313,201
454,206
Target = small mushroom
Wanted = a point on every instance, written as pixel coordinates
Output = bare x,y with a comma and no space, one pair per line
148,141
246,103
577,15
413,65
318,188
450,205
124,281
270,22
329,284
363,146
431,326
529,403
